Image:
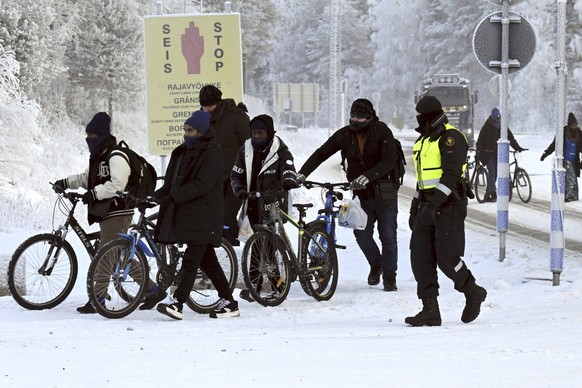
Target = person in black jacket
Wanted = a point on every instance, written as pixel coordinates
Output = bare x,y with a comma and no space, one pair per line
191,212
263,163
487,150
231,126
108,173
572,150
370,151
437,215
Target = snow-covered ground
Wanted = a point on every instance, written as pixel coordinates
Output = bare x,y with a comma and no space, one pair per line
528,333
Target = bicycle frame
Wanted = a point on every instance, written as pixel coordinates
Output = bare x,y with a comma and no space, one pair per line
62,231
275,226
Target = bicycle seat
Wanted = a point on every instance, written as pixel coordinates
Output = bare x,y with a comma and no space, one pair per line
302,206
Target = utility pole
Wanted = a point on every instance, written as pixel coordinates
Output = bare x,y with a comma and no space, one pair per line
335,43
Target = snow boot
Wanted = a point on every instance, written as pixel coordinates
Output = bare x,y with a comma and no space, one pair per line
374,276
473,301
389,283
428,316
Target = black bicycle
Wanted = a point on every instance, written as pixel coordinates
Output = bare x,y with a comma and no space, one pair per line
118,276
519,180
477,179
269,262
43,270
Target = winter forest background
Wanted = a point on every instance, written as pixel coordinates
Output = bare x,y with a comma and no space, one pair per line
63,60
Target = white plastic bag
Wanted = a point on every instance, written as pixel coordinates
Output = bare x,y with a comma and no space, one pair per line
351,215
245,231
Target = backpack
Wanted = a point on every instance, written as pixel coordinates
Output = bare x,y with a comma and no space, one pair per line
143,177
397,172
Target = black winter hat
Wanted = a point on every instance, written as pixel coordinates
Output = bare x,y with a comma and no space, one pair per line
429,104
264,122
572,119
210,95
362,108
99,125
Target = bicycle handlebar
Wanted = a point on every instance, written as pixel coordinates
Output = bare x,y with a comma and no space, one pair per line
326,185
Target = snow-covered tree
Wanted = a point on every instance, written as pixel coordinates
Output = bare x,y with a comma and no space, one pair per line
35,31
105,58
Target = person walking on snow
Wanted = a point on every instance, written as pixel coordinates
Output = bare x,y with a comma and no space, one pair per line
437,215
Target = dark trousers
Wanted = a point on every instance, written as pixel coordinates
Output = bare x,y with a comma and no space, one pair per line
442,244
492,174
202,256
231,208
385,214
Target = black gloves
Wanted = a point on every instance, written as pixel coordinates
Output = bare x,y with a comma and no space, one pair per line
289,184
60,186
544,155
430,211
242,194
88,197
359,183
429,214
300,178
413,212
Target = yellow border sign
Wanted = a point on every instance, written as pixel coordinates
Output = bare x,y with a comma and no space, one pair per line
183,53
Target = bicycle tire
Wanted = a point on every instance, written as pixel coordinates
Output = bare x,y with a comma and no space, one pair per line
523,186
321,266
116,284
204,297
266,269
480,184
35,291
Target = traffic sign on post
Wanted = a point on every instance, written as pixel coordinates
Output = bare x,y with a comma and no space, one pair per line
487,42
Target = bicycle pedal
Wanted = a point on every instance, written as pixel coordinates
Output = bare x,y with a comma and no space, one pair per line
340,246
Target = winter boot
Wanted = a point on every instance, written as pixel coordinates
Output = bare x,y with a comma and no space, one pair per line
473,301
374,276
429,316
389,283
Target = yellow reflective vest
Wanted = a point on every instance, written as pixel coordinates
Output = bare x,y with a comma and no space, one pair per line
427,161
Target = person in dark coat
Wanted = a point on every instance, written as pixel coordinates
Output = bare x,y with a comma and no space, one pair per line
487,150
108,173
263,163
572,150
231,125
370,151
191,212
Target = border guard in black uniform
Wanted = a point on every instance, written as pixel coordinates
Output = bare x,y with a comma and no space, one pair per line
437,214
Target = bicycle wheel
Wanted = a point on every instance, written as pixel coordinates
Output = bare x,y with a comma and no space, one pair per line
480,184
116,282
42,272
523,185
266,269
319,261
204,297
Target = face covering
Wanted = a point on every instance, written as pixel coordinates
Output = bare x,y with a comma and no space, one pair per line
260,145
359,126
190,141
94,144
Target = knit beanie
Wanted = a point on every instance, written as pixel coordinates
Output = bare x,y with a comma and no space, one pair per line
209,95
200,120
572,119
362,108
428,104
99,125
495,113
